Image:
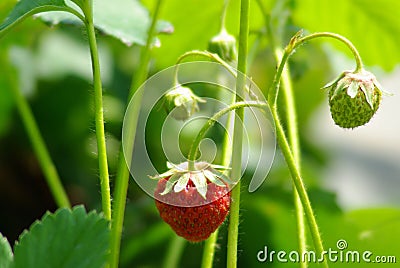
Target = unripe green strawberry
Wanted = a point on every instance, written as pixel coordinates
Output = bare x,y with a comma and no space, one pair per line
193,203
354,98
224,45
181,102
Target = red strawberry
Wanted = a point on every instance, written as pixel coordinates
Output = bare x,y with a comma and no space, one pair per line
192,212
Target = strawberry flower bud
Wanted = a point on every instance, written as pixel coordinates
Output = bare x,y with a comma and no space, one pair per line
181,102
354,98
224,45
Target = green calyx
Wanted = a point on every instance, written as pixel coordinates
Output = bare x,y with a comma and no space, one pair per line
354,98
179,176
224,45
181,102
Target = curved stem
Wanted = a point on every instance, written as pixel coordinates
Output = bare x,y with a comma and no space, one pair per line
206,54
292,129
297,41
194,148
298,182
293,137
122,179
98,109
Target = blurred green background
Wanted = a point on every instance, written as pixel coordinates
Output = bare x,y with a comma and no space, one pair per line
353,177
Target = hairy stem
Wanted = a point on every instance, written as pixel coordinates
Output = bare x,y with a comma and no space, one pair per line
298,182
292,128
209,250
211,242
293,137
40,149
233,228
122,179
98,110
296,42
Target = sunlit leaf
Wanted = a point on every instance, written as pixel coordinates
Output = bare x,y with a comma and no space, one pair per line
64,239
26,8
132,29
373,26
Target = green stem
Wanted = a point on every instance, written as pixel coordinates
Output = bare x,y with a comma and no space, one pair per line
291,122
292,128
284,144
122,179
206,54
174,252
211,242
39,146
296,42
233,227
223,16
209,250
98,110
194,148
293,137
298,182
213,57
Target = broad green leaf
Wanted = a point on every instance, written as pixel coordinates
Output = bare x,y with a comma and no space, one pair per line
195,24
6,255
26,8
64,239
125,20
373,26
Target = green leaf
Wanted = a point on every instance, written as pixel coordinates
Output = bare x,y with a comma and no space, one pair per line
64,239
6,255
196,25
373,26
132,29
26,8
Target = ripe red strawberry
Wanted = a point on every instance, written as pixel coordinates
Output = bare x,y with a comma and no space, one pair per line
194,211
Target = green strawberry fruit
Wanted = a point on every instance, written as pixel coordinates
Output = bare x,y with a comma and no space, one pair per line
354,98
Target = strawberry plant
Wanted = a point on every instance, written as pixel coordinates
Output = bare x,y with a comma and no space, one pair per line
194,119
